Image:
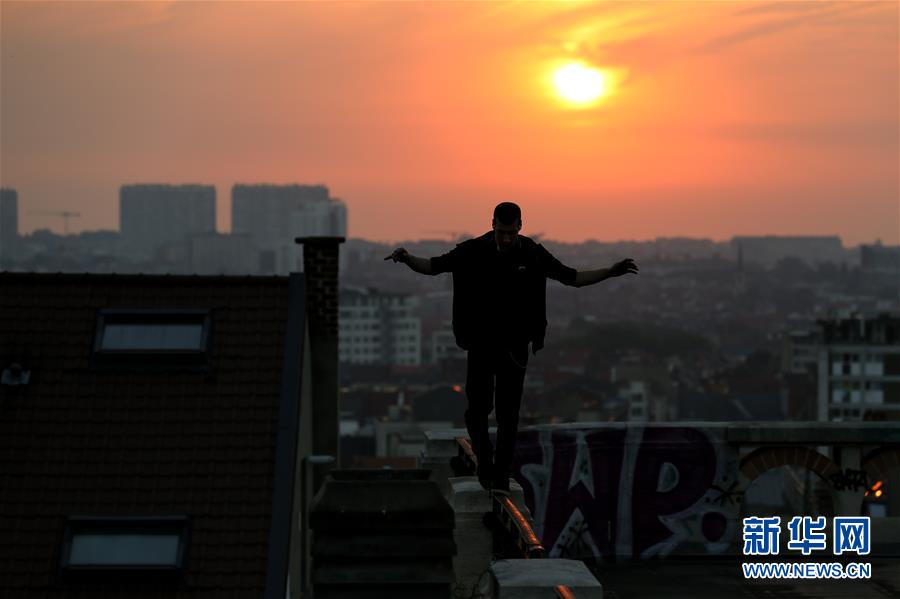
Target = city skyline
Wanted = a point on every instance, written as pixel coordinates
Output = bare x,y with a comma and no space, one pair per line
59,221
718,121
63,222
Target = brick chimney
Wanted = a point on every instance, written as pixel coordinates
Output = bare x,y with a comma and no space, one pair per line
320,269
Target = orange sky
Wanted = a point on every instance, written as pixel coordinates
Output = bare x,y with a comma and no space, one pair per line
728,118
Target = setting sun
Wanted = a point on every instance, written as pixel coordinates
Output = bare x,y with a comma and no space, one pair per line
580,84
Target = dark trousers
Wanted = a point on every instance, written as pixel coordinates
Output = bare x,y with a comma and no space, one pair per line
495,373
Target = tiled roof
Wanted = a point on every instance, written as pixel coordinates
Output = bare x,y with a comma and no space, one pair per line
78,440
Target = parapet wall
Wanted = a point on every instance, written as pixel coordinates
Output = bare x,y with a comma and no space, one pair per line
638,490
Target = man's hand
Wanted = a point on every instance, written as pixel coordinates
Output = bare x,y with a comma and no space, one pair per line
535,346
623,267
399,255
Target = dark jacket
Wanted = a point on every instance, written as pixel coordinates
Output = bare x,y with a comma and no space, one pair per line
521,280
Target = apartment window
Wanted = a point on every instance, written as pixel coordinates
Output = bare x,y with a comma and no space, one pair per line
99,547
152,337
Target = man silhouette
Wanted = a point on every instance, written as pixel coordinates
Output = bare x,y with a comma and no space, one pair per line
499,307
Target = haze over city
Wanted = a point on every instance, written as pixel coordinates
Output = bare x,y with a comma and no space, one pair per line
269,329
712,120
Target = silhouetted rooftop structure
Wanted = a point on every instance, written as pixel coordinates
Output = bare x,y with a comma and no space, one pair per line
152,450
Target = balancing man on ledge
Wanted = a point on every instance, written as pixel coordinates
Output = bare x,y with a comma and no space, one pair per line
499,307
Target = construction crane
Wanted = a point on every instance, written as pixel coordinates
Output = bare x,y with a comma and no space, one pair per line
65,214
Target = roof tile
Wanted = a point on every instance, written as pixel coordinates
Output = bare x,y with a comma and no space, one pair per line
84,441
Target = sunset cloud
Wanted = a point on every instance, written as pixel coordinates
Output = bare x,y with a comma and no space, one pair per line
446,106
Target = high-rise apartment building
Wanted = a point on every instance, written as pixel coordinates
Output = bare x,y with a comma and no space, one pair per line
152,217
9,227
320,219
273,215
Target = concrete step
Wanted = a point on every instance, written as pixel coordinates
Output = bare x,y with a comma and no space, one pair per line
398,546
418,591
364,572
395,505
537,579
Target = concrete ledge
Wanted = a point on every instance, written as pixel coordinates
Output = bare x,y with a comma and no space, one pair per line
465,495
470,503
755,433
821,433
442,443
538,578
473,540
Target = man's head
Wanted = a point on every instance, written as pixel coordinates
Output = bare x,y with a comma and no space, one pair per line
506,224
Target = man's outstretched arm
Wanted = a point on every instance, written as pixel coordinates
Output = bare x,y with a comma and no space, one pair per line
420,265
588,277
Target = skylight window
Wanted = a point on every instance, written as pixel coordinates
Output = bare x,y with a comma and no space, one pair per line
124,549
152,336
94,545
149,338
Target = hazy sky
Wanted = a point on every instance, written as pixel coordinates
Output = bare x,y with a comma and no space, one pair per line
724,118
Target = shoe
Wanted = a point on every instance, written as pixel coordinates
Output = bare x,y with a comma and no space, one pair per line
485,474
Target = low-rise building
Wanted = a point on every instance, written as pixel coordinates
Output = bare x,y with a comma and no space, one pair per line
378,328
859,368
443,345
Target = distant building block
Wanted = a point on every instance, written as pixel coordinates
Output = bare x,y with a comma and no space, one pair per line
153,218
539,578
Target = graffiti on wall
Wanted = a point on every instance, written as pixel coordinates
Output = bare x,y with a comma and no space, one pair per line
849,479
629,491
